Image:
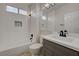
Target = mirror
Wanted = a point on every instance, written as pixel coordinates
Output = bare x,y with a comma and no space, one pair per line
72,22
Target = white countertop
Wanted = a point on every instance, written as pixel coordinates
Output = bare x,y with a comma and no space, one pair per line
72,44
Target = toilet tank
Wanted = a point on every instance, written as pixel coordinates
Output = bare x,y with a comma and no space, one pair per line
41,39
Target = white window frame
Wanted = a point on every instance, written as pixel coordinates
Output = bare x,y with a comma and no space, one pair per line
12,9
22,12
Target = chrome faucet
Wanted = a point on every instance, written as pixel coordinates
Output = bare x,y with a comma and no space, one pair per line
31,37
65,33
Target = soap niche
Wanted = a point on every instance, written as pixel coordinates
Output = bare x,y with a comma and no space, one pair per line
18,23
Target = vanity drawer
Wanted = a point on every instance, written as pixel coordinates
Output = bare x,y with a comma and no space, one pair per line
59,49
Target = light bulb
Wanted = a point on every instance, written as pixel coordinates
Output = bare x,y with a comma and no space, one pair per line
43,17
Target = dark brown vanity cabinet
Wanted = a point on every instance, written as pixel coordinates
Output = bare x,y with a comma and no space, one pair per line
54,49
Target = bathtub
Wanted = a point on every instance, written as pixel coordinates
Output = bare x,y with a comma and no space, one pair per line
16,50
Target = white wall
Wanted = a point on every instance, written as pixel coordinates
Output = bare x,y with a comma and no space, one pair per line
11,36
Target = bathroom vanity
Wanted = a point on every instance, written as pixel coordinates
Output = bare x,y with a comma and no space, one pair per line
56,47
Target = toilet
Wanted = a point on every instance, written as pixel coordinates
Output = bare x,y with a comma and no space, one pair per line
35,48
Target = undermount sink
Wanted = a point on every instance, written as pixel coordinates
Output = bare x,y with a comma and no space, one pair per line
67,39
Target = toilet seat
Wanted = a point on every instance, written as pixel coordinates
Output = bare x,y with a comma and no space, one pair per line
36,46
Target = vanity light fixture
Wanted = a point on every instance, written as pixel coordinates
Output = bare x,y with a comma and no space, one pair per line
48,5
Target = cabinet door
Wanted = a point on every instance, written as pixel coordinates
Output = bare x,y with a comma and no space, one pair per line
59,50
54,52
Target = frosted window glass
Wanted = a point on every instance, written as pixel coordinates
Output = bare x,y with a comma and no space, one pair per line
11,9
23,12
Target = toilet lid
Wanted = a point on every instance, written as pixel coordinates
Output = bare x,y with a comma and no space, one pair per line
36,46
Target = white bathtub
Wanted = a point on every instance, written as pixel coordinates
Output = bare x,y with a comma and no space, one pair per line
14,51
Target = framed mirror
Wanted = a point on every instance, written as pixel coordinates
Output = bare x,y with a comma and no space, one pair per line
71,21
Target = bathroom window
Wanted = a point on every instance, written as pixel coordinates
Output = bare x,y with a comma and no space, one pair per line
11,9
16,10
23,12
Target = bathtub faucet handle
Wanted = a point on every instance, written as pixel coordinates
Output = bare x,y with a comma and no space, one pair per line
31,37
